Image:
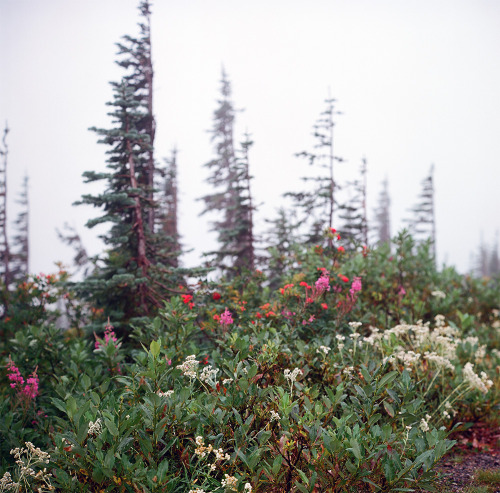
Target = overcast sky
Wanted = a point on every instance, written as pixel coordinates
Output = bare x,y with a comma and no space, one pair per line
417,82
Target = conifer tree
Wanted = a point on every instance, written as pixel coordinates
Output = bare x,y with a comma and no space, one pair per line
317,202
382,215
231,198
20,257
4,239
354,225
133,277
422,224
168,210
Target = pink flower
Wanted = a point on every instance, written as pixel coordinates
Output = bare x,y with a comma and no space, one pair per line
226,318
109,335
14,375
31,388
356,285
402,291
323,283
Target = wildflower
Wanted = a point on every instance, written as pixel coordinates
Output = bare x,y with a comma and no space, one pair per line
291,376
348,370
355,325
109,335
227,381
424,425
168,393
323,283
208,374
402,291
229,482
340,248
31,388
475,382
438,294
226,318
323,349
187,298
95,428
216,296
324,306
340,337
189,366
14,375
248,488
355,286
343,278
274,416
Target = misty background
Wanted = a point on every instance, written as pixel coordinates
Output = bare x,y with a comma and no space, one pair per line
416,82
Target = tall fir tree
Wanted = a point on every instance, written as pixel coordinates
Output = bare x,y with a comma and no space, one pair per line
21,255
318,199
382,216
352,214
133,277
231,198
422,224
168,209
4,237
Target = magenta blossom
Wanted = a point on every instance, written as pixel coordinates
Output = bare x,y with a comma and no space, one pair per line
323,283
31,388
226,318
109,335
356,285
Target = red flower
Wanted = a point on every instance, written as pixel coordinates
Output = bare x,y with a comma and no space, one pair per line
333,230
216,296
324,306
216,317
341,249
186,298
309,300
258,315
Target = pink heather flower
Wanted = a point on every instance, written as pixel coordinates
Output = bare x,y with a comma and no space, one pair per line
226,318
31,388
109,335
323,283
356,285
14,375
402,291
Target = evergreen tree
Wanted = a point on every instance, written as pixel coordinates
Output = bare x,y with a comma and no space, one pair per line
382,216
231,199
317,202
354,225
422,225
4,239
282,242
168,210
133,277
20,257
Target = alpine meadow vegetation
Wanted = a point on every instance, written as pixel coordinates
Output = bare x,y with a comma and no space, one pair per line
312,360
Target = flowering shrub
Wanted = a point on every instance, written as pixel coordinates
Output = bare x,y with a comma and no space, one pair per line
347,373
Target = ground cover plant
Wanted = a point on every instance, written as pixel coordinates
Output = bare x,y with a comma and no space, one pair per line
348,377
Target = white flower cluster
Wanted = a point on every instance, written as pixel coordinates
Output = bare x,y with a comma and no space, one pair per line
197,490
438,294
424,423
230,482
408,358
248,488
203,452
291,376
440,361
323,350
348,370
274,416
168,393
208,374
26,458
227,381
355,325
189,366
95,428
481,383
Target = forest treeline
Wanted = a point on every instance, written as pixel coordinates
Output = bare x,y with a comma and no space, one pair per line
141,265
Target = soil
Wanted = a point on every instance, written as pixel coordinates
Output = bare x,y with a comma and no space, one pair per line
476,448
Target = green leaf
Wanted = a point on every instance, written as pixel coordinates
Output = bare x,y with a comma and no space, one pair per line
386,379
155,348
110,425
355,448
389,409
